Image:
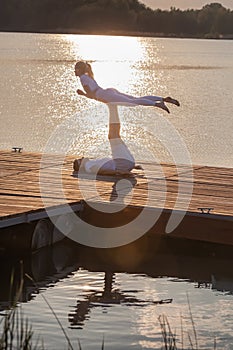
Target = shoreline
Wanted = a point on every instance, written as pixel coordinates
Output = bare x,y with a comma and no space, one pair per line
122,33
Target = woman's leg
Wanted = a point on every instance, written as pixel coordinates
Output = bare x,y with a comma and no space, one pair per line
149,97
154,98
155,101
114,96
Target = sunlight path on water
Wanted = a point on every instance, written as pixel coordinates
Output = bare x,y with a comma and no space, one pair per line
38,90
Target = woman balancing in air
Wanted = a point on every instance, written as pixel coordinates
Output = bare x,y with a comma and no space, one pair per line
92,90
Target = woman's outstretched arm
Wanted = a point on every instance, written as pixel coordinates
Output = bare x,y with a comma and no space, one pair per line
88,93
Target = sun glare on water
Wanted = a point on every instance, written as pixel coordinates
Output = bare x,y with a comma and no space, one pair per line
105,47
112,57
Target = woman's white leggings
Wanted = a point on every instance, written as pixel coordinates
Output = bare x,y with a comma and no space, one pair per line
115,96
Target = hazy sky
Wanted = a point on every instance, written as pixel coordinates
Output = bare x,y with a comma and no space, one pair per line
185,4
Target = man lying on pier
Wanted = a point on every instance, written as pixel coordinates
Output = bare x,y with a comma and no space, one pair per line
122,161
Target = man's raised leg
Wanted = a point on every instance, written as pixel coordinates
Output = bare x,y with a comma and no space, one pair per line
120,152
114,122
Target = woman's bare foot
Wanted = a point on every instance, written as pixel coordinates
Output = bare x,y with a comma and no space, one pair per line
171,100
162,105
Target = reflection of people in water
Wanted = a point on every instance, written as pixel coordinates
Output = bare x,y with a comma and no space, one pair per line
107,297
122,160
123,190
92,90
83,307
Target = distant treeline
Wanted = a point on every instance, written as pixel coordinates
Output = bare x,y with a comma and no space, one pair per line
113,16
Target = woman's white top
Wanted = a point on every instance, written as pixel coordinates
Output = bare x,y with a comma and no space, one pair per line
88,81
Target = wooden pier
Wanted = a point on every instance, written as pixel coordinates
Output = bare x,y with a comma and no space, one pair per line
208,208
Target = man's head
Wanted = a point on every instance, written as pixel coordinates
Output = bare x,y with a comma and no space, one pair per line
79,163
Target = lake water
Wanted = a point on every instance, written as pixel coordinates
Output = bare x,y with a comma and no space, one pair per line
110,295
38,94
37,98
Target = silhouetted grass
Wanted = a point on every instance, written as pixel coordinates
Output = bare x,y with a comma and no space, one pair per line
16,332
169,338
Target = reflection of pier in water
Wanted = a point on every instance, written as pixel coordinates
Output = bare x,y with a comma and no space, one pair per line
49,265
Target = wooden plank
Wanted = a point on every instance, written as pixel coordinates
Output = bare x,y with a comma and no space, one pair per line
20,184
